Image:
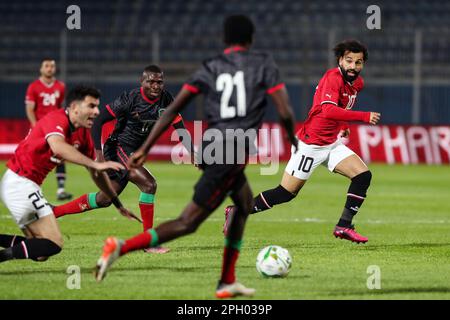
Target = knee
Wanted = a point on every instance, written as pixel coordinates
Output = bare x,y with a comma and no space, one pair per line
58,241
150,187
102,201
363,178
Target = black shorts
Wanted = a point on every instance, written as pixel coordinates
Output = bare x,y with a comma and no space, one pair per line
217,182
113,151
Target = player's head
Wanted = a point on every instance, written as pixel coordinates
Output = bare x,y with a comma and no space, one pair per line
82,103
152,81
351,56
238,30
48,68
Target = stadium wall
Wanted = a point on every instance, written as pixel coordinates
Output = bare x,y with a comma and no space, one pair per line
385,143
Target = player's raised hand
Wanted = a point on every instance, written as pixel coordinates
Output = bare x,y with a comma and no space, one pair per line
374,117
137,159
128,214
102,166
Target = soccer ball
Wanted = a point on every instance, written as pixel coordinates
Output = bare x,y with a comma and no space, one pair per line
273,261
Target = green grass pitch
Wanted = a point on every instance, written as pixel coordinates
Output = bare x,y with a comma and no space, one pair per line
406,217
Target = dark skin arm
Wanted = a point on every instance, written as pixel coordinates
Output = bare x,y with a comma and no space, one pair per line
281,100
137,159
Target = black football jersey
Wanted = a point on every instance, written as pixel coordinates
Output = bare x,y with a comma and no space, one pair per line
136,115
235,84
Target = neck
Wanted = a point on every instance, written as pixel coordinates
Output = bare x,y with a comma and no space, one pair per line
47,80
72,119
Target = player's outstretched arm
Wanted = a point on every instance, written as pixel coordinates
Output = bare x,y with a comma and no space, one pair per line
103,182
284,109
330,111
29,109
64,150
137,159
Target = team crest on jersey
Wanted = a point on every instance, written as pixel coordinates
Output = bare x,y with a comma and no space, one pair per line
160,112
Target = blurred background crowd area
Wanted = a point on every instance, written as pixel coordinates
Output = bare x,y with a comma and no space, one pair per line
407,76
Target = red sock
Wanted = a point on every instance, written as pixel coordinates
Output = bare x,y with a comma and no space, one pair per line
146,214
230,256
143,240
75,206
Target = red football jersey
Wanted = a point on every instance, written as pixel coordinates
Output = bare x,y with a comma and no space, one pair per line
319,128
33,158
47,98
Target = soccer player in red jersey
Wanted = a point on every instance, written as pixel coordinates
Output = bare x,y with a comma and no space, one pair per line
320,143
235,84
45,95
60,135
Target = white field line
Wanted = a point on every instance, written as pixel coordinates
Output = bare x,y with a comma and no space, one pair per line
99,217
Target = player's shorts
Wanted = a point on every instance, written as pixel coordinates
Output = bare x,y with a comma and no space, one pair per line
309,156
23,198
217,182
113,151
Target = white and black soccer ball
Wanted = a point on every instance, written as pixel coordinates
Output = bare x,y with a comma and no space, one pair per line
274,261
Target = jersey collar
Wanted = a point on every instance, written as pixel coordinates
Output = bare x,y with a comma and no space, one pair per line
71,126
48,85
234,49
146,98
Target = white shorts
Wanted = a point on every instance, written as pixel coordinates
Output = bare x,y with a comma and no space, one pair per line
309,156
23,198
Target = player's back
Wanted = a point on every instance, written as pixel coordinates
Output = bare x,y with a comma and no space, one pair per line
235,84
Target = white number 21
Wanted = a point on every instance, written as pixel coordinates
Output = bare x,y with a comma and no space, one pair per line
225,82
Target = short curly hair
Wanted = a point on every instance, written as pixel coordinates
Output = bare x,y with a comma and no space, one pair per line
350,45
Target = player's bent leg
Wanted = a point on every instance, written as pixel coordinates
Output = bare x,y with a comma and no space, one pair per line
47,241
146,183
87,202
285,192
355,169
192,216
46,227
228,287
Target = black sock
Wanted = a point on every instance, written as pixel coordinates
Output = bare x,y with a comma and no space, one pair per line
61,176
267,199
30,249
7,240
355,197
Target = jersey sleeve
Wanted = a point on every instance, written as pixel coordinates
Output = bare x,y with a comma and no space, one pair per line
199,81
272,79
54,126
31,94
119,106
330,90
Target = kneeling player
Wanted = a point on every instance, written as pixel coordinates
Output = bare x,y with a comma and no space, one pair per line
61,135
